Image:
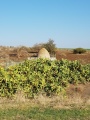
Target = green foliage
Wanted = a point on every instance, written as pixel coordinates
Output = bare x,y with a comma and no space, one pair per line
79,50
42,75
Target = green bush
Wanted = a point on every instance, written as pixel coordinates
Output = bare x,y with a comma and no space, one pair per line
42,75
79,50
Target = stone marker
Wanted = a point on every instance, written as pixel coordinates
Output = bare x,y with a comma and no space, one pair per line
43,53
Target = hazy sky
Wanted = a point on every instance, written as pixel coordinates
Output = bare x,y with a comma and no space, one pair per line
27,22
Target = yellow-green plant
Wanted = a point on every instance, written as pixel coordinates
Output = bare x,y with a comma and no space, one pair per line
35,76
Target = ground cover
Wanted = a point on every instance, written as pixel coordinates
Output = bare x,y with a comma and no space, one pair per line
40,113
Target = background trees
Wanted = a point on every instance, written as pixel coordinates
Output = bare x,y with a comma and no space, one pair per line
50,46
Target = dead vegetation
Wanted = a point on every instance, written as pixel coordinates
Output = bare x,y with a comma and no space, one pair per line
21,53
16,54
75,96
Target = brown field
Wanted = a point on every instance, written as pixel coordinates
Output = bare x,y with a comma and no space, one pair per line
68,54
8,54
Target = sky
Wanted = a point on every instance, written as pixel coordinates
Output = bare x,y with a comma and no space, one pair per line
30,22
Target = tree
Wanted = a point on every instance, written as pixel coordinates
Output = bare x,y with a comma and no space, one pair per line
50,46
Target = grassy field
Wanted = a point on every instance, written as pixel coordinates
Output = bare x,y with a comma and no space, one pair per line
40,113
44,108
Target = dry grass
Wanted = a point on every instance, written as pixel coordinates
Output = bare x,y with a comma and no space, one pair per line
76,96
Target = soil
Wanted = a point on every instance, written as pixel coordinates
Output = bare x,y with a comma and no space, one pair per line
81,89
68,54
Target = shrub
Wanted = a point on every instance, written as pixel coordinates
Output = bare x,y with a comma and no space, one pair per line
79,50
42,75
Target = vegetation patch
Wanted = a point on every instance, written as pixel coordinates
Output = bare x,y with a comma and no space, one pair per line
36,113
42,75
79,50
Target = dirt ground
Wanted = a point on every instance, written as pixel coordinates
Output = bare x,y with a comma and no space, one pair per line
68,54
